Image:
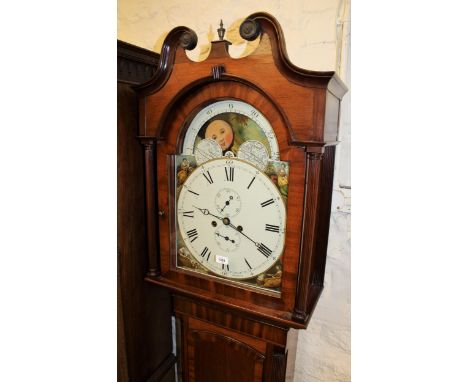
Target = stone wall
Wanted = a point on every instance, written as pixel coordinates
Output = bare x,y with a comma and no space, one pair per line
317,35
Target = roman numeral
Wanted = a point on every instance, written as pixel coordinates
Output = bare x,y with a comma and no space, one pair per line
264,250
188,214
208,177
247,263
205,252
230,174
271,228
192,234
225,266
250,182
267,202
193,192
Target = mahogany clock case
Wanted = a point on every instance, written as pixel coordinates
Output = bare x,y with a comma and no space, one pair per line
303,108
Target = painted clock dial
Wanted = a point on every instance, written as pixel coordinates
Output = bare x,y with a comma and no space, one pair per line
229,123
232,218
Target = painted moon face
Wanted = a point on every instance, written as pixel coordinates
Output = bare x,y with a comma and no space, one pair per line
221,132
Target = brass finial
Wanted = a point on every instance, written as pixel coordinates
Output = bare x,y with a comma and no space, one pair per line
221,31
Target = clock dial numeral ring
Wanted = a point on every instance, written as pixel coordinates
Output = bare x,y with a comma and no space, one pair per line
237,213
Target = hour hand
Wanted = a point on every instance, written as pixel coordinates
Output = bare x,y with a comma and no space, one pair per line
204,211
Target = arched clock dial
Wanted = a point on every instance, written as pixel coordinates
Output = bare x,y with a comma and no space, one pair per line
232,218
230,123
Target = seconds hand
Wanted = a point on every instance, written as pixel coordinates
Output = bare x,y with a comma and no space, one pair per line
226,203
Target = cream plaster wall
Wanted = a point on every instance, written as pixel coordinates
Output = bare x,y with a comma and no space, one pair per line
317,34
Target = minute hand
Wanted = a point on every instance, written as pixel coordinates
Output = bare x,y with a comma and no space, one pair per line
242,233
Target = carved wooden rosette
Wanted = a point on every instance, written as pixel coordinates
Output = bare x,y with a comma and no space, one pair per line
302,107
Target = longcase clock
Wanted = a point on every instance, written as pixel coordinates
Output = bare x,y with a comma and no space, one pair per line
239,157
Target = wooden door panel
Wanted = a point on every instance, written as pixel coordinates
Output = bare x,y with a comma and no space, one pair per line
219,358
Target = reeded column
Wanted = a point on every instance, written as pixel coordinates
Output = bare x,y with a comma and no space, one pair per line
309,232
151,222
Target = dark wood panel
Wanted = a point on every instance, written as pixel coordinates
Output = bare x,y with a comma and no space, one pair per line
275,368
135,65
122,368
144,324
165,370
219,358
332,114
213,353
309,233
224,347
231,319
319,254
169,377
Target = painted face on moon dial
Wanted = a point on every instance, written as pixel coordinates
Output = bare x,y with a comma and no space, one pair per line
221,132
237,243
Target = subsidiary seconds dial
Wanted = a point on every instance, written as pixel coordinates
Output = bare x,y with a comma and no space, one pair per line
232,218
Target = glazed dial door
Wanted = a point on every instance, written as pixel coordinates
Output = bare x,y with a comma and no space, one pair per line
232,218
